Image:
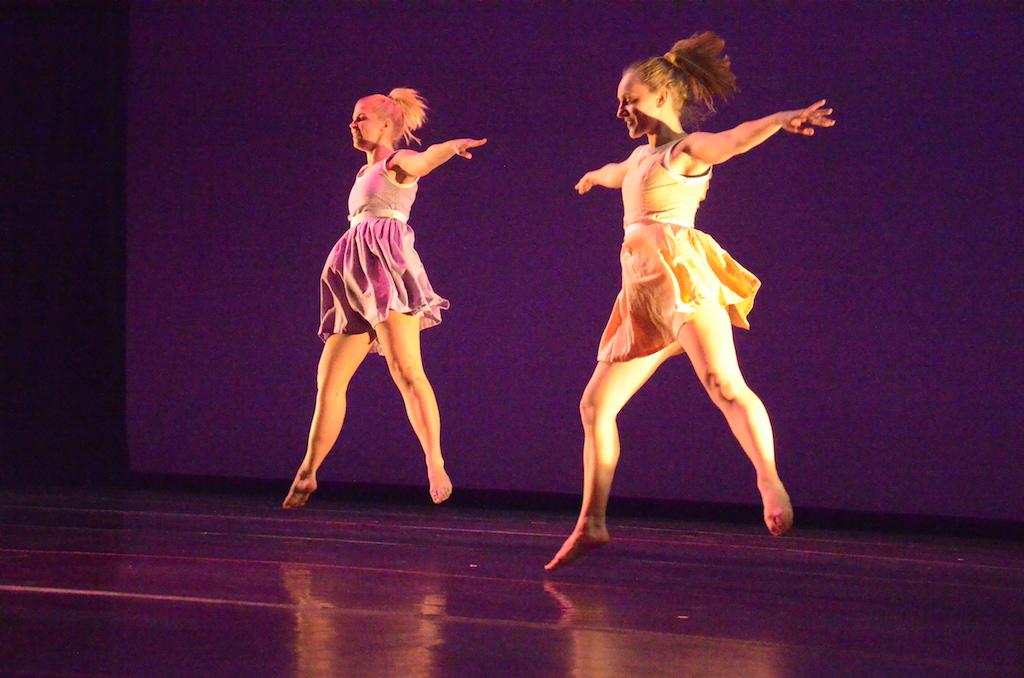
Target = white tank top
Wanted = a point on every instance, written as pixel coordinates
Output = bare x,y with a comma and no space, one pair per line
375,191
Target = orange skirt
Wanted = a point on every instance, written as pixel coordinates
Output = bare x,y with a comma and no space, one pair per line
667,271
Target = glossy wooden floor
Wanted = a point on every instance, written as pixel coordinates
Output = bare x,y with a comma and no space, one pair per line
177,584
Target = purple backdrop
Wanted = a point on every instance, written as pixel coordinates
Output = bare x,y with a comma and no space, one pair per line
885,343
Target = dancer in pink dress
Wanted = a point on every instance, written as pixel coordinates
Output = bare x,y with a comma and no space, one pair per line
374,292
681,292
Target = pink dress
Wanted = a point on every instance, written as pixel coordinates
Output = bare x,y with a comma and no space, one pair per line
668,266
374,268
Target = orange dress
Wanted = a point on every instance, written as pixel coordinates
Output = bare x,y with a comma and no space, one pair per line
668,266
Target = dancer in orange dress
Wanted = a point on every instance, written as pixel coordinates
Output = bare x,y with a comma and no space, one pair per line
374,291
681,292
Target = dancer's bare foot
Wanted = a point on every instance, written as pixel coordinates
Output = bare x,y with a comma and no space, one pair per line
302,487
440,484
778,511
584,539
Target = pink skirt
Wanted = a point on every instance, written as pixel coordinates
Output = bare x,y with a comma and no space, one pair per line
667,271
373,270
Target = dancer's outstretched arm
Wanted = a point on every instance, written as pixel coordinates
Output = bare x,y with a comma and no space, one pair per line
708,148
422,163
609,176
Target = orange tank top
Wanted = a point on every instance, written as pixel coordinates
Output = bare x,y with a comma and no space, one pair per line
651,192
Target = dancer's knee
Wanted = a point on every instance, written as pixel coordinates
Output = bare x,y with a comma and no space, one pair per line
329,389
723,389
406,374
592,412
588,411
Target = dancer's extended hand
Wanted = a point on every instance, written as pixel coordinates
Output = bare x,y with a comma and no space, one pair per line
803,121
609,176
585,183
462,146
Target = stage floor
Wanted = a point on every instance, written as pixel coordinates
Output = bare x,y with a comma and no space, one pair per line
113,583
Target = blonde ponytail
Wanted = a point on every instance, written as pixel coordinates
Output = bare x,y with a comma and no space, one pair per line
695,71
412,109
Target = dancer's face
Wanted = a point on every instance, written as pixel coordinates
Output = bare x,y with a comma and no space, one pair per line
369,126
639,107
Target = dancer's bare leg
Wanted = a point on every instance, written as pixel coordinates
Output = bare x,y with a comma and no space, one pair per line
708,341
399,338
342,355
610,388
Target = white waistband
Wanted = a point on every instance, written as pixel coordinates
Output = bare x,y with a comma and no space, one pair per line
386,214
637,224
